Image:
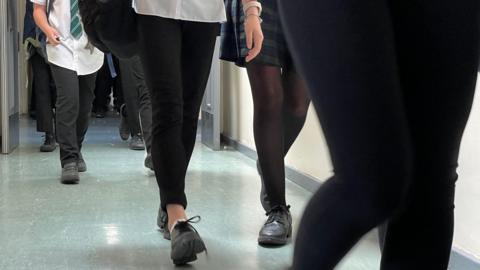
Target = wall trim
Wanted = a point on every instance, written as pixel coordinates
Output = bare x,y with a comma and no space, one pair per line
459,260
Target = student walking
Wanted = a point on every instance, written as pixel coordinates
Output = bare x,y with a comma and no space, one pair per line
74,62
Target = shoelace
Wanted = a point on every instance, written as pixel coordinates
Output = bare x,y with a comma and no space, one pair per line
192,220
276,213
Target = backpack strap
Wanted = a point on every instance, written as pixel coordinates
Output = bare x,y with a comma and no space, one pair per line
49,7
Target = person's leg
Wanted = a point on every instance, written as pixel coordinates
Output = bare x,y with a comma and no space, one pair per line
160,56
103,86
86,96
268,122
197,51
350,70
438,72
267,93
67,111
117,91
130,93
132,102
43,105
44,99
145,115
296,102
145,106
295,107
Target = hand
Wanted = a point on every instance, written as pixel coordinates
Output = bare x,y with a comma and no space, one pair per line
53,37
254,34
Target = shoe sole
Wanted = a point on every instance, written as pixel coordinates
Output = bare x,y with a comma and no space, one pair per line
274,241
137,148
189,246
45,150
71,181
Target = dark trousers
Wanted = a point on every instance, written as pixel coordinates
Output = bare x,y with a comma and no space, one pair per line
176,60
105,84
44,93
74,104
392,83
137,99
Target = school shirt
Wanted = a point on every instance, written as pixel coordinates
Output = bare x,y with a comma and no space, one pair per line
71,54
187,10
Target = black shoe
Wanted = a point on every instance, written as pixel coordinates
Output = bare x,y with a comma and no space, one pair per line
148,162
264,200
278,227
49,144
70,173
136,143
162,222
82,166
186,242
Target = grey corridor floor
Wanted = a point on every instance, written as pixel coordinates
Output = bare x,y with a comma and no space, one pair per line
108,220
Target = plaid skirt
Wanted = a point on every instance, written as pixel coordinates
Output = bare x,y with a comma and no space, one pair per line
234,46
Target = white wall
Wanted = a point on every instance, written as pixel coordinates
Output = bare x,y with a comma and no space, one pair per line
467,198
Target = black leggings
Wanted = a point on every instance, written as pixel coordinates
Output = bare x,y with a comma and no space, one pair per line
392,83
176,57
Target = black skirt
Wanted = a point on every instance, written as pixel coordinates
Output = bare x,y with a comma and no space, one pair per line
234,46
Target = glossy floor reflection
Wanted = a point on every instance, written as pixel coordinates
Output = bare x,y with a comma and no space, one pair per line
108,220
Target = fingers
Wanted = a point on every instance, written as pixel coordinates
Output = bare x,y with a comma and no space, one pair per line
257,46
54,37
249,36
54,40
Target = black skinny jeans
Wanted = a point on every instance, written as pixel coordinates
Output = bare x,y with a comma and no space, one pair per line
392,83
176,57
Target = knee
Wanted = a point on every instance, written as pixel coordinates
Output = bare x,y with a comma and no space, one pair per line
391,188
269,102
298,110
67,106
166,117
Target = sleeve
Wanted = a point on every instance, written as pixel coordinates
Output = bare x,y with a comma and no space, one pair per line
39,2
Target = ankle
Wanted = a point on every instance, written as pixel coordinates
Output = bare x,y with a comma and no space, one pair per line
175,212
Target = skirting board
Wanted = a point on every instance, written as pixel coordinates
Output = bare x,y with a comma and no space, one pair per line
459,260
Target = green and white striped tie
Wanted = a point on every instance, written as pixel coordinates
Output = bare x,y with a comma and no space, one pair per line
75,24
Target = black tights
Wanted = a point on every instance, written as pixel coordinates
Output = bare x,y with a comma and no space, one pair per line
392,82
280,107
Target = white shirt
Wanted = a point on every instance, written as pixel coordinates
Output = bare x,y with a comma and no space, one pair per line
71,53
186,10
